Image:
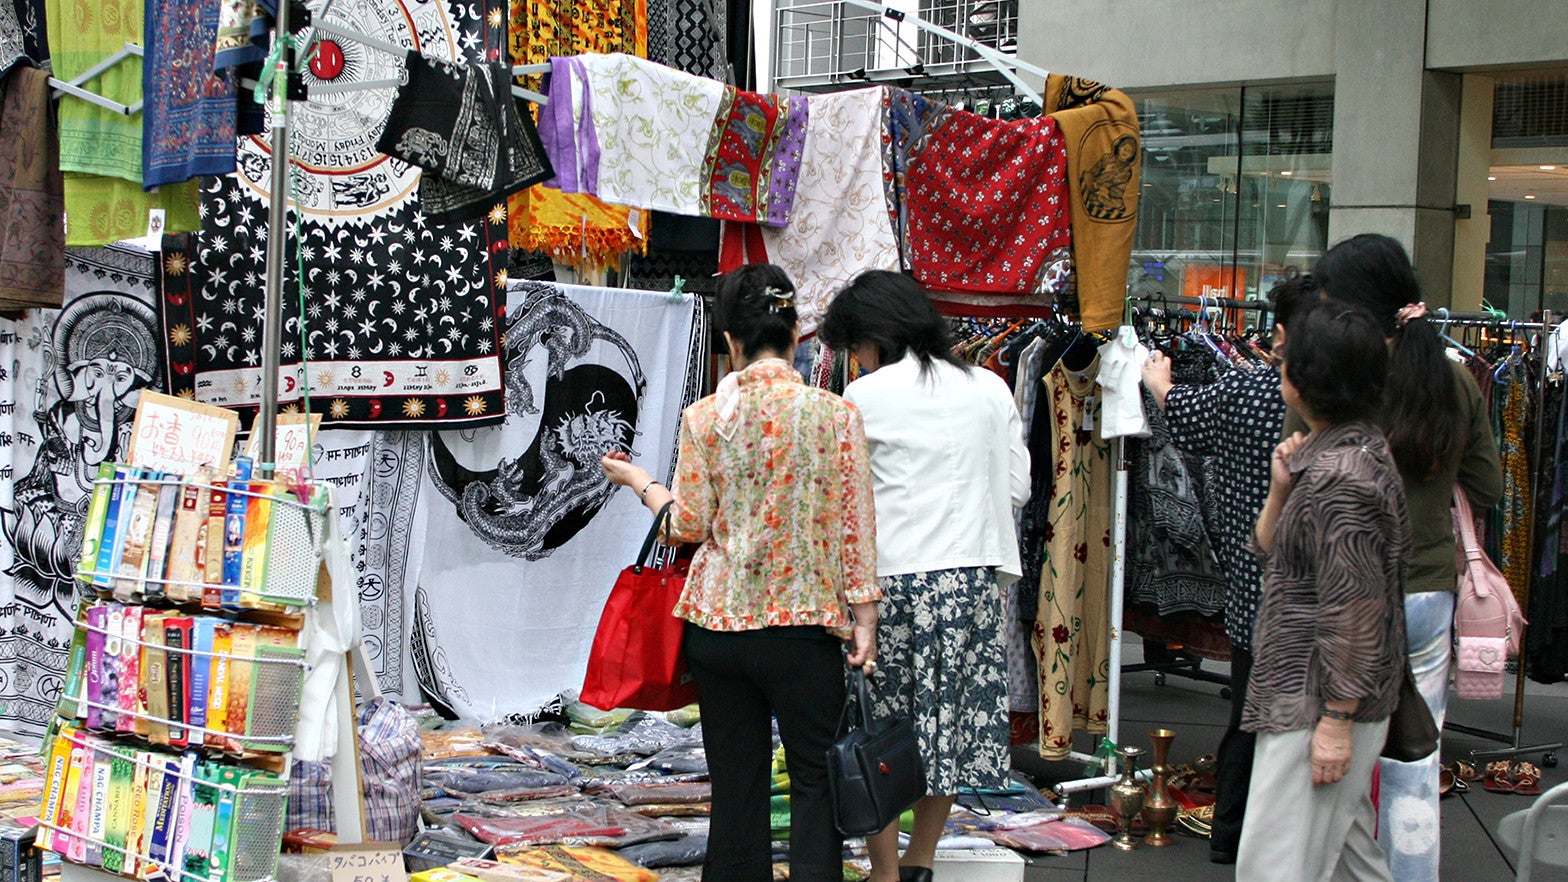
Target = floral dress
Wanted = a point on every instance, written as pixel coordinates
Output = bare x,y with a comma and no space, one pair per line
1071,632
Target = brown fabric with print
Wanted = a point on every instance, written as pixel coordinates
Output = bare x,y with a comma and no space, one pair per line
1104,159
32,196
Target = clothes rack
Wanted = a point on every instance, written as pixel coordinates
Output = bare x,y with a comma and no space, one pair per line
1514,738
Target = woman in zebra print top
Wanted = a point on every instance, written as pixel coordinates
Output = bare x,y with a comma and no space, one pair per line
1334,538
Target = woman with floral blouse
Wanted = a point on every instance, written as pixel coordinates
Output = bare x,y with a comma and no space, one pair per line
772,478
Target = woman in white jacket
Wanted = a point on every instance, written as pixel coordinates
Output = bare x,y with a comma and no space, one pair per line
948,468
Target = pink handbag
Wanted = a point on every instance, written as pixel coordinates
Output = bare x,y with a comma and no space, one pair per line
1488,624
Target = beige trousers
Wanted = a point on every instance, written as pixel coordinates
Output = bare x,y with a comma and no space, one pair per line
1295,832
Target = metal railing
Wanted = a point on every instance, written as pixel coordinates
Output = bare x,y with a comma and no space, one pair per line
822,44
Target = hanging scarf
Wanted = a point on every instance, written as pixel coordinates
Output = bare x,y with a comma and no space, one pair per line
572,228
987,206
1104,157
460,124
32,237
188,120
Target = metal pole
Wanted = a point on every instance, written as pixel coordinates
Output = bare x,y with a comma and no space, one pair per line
277,237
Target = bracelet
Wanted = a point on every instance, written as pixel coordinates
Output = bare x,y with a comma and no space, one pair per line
643,494
1337,714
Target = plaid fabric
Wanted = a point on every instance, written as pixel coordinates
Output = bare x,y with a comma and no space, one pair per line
390,765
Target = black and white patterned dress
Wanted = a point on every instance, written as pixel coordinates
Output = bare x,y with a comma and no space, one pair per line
1238,419
940,661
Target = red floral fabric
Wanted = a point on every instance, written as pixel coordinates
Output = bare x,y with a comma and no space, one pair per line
988,206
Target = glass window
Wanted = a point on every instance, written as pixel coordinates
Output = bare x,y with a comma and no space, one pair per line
1527,258
1236,187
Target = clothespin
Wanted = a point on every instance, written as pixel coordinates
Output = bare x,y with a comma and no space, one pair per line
678,291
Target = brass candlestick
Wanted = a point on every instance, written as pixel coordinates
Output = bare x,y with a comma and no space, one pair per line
1159,810
1127,798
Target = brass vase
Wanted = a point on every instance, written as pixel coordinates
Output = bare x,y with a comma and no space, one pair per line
1159,810
1127,798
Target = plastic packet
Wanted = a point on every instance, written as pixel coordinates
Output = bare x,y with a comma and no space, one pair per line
682,852
681,759
1065,834
658,792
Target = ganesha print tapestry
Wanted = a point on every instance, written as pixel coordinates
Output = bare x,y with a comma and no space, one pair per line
69,382
529,534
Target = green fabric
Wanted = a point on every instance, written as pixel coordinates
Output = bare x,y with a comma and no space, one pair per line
778,809
100,210
1479,472
94,139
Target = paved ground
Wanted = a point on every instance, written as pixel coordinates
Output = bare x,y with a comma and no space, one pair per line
1197,714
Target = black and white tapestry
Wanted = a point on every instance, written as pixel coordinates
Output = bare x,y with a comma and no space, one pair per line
69,382
523,534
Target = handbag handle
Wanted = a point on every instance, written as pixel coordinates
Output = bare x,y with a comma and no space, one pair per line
858,694
660,522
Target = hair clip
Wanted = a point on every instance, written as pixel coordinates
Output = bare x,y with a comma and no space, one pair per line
781,299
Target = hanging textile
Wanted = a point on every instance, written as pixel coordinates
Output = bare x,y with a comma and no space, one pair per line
689,35
189,118
1172,565
1546,646
402,329
573,228
70,385
1515,390
32,202
386,528
1104,157
840,225
100,150
13,38
460,124
400,321
987,206
1071,636
529,533
630,131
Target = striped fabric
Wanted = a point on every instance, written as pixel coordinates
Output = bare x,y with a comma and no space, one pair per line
1332,623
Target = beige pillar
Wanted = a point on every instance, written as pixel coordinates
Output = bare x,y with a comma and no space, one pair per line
1472,234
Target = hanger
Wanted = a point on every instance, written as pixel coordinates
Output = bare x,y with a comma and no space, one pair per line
1442,331
73,86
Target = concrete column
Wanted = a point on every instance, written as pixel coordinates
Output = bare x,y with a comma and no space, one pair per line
1472,235
1396,129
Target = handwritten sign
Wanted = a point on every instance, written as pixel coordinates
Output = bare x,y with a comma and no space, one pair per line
179,435
291,455
367,862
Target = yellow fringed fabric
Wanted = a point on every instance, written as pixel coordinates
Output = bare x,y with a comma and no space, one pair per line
576,229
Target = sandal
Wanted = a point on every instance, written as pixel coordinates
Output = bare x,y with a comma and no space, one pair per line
1199,822
1465,771
1499,777
1445,781
1527,779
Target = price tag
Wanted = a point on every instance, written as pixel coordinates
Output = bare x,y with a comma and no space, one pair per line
367,862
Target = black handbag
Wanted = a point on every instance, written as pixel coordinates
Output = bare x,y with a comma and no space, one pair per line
1412,733
874,771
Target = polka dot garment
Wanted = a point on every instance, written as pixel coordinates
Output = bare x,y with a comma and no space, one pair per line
1237,418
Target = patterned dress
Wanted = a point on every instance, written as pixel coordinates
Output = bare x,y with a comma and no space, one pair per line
1071,632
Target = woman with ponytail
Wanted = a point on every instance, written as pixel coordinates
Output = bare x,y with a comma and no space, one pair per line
948,468
1440,436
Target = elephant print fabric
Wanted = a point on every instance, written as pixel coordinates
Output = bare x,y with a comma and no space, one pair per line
69,382
524,535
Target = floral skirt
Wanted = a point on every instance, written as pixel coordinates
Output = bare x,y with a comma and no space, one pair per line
942,662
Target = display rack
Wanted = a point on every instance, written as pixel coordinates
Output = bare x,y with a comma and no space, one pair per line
1515,737
165,750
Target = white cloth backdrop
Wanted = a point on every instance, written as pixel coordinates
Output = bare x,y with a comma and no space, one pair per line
524,536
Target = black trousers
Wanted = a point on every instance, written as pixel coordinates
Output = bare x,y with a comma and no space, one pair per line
1235,762
745,679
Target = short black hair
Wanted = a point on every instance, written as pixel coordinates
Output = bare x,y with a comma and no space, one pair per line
756,306
890,311
1289,293
1337,359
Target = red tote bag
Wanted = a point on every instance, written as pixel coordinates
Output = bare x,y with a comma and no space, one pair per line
636,661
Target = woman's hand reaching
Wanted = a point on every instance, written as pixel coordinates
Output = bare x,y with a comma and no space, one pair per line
619,469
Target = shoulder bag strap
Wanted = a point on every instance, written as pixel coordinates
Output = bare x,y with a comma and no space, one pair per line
660,521
1467,539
